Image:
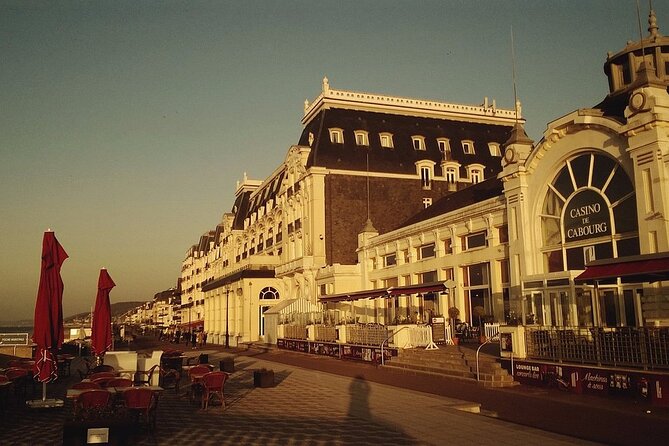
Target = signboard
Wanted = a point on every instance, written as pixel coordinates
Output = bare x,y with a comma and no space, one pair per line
586,216
13,339
438,330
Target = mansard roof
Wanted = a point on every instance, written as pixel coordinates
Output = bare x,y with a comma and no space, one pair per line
402,157
468,196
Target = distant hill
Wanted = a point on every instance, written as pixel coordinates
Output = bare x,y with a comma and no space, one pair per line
117,309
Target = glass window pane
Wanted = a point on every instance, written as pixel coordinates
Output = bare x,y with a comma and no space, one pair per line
581,168
619,186
603,168
563,183
621,215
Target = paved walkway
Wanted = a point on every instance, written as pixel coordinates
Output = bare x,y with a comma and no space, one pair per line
305,407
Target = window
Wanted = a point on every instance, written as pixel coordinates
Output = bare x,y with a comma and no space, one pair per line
361,138
426,177
451,174
386,140
503,234
426,251
428,277
468,147
476,175
418,142
336,136
427,202
444,146
390,282
269,293
405,256
390,260
494,149
447,246
477,240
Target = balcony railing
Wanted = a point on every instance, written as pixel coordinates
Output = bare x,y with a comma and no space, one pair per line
646,348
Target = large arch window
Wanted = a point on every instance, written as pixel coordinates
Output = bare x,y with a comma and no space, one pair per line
269,293
589,213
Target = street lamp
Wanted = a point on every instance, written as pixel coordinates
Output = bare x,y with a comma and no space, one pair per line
190,305
227,318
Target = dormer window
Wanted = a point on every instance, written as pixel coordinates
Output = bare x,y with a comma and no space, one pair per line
426,177
494,149
386,140
336,136
361,138
418,142
468,147
444,146
475,174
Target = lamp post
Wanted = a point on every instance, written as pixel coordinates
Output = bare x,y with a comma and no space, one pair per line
227,317
190,305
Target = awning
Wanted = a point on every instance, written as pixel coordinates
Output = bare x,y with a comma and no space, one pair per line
354,295
633,269
429,287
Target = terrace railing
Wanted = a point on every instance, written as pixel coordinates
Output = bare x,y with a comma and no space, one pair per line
370,334
645,347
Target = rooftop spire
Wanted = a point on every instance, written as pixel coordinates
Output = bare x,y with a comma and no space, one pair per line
653,29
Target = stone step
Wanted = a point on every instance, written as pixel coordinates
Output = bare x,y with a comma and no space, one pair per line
463,373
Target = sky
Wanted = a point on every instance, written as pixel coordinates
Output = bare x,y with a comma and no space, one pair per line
125,125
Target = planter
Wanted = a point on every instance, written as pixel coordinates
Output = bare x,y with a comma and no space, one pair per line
227,365
455,340
263,378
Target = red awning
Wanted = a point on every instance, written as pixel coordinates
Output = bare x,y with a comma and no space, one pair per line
644,268
429,287
354,295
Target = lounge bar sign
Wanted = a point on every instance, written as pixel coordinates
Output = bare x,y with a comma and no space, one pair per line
586,216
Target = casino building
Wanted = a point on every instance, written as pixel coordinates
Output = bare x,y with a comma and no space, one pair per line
390,211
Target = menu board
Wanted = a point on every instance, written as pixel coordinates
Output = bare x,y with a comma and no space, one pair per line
438,330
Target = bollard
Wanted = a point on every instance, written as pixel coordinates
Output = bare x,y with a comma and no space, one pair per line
227,364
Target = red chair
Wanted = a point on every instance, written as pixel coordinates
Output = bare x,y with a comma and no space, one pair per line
119,382
103,380
86,385
141,402
213,383
92,404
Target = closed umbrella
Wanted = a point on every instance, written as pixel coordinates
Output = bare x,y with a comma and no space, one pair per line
101,336
48,324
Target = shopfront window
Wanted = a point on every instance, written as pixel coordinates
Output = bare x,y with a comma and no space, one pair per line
560,309
534,308
477,290
584,308
591,199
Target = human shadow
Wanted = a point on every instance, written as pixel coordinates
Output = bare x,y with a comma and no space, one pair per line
359,391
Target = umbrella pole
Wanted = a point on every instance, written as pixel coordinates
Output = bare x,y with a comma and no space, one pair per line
43,391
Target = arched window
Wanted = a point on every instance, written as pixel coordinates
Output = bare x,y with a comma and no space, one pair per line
589,213
269,293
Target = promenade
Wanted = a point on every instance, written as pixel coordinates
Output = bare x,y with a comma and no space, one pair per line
311,405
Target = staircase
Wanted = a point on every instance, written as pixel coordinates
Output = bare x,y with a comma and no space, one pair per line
452,361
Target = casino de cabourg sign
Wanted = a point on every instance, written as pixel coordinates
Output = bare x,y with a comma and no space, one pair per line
586,216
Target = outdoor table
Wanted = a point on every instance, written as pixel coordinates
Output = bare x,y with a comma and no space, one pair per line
74,393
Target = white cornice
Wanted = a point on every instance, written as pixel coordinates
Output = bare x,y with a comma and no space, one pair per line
330,98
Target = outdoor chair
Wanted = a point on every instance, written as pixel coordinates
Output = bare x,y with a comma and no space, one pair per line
89,365
145,377
102,375
103,368
141,402
4,392
86,385
103,380
213,383
92,404
19,377
119,382
169,379
195,374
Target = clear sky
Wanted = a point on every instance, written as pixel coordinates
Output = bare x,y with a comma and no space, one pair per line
124,125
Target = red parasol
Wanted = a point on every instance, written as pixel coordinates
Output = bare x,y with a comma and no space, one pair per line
48,325
101,337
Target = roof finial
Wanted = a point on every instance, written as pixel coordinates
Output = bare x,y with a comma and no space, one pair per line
652,23
326,84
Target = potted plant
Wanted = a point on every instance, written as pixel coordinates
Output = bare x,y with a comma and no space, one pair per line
453,314
479,312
